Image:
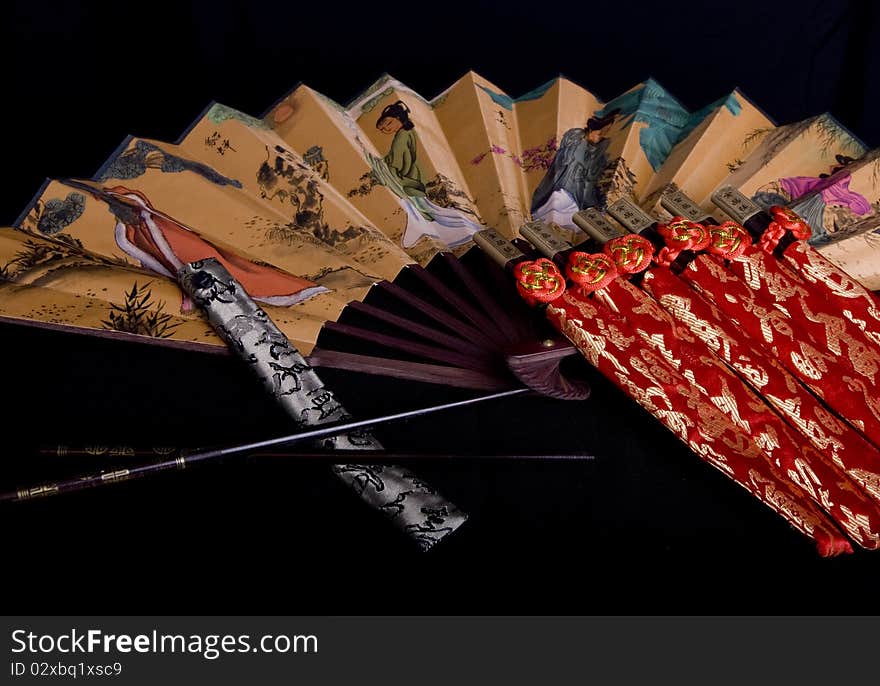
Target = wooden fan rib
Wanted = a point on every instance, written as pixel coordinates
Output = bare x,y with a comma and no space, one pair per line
484,324
487,300
419,349
526,326
433,335
410,371
444,318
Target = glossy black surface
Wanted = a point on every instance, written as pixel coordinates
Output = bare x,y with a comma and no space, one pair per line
645,527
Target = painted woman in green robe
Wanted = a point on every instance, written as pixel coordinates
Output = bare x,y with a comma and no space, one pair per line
399,171
402,158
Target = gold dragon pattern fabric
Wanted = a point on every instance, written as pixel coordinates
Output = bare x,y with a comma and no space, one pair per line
811,313
608,341
789,454
855,302
838,442
810,361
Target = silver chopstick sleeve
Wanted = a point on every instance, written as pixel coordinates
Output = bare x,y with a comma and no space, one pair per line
411,504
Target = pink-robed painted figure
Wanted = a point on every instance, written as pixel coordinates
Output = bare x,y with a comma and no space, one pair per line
163,245
823,192
809,196
835,191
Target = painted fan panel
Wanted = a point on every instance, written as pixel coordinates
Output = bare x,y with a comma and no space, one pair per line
56,284
56,281
275,266
543,116
848,202
840,204
600,152
121,224
815,166
805,149
650,122
313,124
481,129
859,257
315,203
418,160
701,161
243,148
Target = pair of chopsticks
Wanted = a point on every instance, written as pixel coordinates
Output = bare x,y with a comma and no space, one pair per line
181,459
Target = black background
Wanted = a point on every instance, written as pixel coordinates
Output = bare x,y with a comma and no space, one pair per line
644,527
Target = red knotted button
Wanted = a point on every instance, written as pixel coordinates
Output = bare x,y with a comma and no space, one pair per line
790,221
729,240
631,254
683,234
591,271
539,280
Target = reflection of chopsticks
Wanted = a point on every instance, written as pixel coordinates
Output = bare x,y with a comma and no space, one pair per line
366,457
182,459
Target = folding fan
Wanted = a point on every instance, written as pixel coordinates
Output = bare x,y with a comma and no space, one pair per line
325,214
352,226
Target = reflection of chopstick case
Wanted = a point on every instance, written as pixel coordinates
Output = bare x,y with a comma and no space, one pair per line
407,500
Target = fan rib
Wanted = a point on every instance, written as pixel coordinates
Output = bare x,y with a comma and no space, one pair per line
486,299
486,325
410,371
420,349
446,319
526,326
427,332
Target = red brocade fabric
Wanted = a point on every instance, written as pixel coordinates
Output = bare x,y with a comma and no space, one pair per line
855,302
813,315
841,450
835,440
620,354
789,453
813,363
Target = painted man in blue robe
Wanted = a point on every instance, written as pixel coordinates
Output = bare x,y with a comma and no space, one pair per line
572,181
